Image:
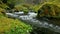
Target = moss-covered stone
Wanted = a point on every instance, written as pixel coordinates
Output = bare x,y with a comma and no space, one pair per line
49,10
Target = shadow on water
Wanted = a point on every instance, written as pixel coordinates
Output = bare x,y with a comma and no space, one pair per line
51,20
55,21
39,30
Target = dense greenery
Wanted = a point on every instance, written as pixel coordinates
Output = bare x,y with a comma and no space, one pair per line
12,26
15,26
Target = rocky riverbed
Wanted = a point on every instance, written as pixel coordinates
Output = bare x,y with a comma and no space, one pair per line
30,18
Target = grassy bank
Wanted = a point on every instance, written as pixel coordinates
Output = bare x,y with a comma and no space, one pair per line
13,26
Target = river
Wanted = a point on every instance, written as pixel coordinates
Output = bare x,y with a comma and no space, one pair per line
30,18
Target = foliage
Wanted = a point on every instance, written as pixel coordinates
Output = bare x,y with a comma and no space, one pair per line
54,10
23,7
16,1
3,6
2,10
13,26
36,7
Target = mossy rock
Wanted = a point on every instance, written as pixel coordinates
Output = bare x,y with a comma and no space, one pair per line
49,10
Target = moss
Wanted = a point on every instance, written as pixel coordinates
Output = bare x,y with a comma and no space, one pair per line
2,10
3,6
50,9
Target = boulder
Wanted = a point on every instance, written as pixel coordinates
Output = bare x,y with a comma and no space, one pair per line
51,12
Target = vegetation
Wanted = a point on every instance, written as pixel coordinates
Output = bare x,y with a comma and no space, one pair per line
50,8
11,26
51,11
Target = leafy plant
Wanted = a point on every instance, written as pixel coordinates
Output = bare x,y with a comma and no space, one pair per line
11,26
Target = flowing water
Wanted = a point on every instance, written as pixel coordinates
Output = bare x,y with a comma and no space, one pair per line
30,19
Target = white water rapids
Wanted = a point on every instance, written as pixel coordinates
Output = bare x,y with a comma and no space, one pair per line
33,21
